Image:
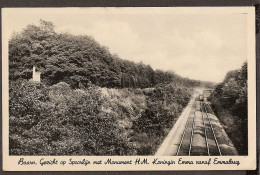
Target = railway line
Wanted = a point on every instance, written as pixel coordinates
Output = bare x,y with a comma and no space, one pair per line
198,137
197,132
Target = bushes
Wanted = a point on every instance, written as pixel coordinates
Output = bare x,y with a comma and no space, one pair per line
59,121
54,117
229,102
146,115
164,105
27,102
232,93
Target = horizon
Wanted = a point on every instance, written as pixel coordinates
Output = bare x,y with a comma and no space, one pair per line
192,46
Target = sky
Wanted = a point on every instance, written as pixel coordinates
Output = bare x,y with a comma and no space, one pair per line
202,46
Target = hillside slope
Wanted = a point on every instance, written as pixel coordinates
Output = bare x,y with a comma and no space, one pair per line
58,120
89,102
229,102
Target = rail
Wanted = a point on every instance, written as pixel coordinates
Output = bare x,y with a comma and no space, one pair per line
215,138
207,130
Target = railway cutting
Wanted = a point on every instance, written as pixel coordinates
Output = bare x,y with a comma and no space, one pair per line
197,132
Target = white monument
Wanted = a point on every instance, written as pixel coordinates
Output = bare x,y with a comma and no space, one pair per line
36,75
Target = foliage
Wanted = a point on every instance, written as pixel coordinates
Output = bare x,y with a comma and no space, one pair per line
89,102
229,99
232,92
57,120
78,60
167,77
164,105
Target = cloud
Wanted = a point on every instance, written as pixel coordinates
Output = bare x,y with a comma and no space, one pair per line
117,36
208,40
197,46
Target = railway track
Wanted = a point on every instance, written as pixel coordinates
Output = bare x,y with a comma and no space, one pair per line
198,137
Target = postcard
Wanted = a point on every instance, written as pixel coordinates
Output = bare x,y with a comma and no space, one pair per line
125,89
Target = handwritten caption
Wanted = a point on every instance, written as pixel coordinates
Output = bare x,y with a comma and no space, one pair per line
136,162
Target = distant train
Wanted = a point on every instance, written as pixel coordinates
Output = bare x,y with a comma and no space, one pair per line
206,94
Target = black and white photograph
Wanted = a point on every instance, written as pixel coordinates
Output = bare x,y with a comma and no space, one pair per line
129,82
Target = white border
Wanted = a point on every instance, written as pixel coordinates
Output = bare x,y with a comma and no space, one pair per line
247,162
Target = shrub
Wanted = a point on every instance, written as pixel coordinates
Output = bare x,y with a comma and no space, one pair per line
164,104
57,120
229,100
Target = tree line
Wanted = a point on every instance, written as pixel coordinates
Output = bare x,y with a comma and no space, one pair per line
232,92
78,61
230,102
68,113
